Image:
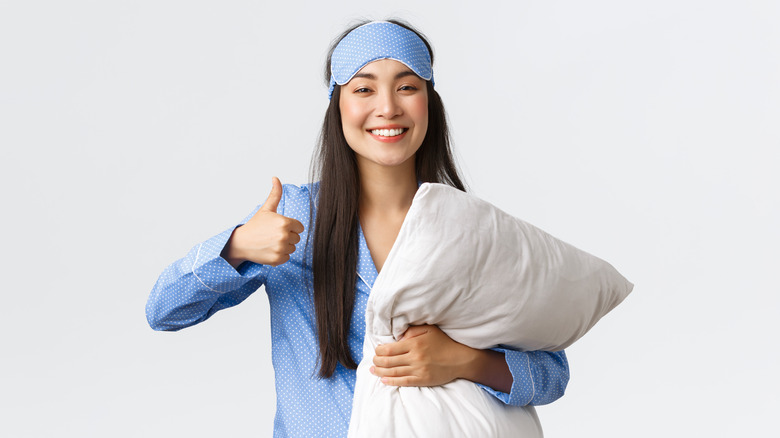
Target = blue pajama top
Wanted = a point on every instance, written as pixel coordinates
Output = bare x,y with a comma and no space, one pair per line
201,283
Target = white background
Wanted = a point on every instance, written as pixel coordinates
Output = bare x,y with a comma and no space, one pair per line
643,132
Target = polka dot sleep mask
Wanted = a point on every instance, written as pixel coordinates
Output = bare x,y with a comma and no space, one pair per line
378,40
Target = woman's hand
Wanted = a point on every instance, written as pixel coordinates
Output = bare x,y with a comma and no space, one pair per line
426,356
267,238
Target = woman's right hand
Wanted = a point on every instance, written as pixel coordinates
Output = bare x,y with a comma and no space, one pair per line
267,238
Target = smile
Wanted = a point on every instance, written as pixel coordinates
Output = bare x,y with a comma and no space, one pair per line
389,132
388,135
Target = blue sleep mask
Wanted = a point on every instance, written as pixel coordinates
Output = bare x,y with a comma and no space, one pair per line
378,40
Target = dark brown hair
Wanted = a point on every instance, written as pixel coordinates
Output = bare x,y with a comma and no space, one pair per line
335,248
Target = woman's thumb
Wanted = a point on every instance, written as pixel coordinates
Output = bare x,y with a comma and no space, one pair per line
276,195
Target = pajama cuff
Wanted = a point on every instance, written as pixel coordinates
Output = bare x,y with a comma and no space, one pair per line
215,272
522,391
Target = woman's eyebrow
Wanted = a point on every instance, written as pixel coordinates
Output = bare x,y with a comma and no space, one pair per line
372,77
404,74
365,75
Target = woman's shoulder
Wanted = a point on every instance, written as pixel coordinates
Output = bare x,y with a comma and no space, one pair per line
298,199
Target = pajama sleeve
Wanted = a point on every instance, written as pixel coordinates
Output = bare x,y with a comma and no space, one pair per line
539,377
201,283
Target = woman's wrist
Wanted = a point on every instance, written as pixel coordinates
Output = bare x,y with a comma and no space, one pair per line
231,251
488,368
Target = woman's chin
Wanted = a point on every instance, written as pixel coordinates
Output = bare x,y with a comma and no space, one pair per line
388,163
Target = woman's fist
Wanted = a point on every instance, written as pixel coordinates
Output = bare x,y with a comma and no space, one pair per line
424,356
267,238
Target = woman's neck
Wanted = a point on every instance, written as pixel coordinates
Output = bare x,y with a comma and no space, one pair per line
387,190
386,194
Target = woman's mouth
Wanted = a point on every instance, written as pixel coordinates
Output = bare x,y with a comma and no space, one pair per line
389,135
389,132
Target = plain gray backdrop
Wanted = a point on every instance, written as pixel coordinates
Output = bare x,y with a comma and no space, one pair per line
643,132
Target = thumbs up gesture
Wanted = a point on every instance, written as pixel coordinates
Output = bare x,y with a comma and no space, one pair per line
268,238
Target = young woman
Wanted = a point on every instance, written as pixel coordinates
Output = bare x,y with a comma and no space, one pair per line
384,133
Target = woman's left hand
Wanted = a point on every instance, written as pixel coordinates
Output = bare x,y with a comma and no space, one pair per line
424,356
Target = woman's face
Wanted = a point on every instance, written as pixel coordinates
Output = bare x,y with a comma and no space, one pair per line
384,114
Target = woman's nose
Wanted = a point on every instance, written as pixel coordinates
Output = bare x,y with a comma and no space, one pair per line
388,105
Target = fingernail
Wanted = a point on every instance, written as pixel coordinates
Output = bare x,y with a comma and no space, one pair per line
371,370
383,380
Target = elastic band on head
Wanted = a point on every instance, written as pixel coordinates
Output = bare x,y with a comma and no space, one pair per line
378,40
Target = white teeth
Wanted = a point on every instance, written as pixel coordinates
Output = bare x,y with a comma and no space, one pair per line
387,132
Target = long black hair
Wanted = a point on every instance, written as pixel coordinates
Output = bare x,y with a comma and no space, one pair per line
335,248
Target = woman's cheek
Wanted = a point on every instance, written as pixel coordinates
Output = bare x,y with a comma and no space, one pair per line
421,105
420,109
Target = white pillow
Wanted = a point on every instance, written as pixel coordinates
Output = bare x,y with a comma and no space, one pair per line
485,278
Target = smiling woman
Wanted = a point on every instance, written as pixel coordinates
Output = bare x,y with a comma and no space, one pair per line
384,115
384,133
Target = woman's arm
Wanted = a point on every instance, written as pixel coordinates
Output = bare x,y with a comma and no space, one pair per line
201,283
538,377
426,356
224,270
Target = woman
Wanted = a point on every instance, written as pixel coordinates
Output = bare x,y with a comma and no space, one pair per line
384,133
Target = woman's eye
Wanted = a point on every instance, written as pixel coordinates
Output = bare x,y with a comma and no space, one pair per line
362,90
408,88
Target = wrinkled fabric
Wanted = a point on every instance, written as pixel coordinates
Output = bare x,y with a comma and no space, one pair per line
485,278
